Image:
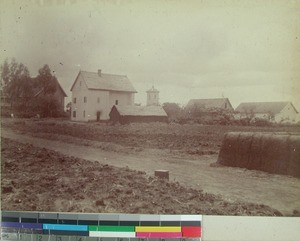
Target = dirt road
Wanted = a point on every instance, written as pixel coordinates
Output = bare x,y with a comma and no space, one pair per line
234,184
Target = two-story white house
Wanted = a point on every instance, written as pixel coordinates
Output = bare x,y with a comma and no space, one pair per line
94,94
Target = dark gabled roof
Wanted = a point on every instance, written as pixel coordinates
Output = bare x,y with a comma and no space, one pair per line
133,110
263,107
208,103
106,82
38,91
62,90
35,91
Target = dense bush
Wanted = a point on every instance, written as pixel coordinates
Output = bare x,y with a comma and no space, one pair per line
213,116
46,106
260,122
175,112
39,107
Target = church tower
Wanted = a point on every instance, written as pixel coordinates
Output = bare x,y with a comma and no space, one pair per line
152,97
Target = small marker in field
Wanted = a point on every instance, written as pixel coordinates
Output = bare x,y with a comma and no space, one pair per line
162,174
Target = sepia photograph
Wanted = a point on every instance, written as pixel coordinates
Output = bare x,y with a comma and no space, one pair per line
150,107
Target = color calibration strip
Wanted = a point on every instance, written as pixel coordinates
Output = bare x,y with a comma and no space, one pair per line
36,226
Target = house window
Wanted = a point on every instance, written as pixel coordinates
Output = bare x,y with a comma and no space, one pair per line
74,114
117,102
84,99
98,100
84,114
74,100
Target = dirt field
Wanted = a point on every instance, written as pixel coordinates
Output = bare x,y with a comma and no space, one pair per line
39,179
147,147
190,138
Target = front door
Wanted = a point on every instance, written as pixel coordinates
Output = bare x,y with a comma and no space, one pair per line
98,115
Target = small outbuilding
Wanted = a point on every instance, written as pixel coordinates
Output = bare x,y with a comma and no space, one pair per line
279,112
127,114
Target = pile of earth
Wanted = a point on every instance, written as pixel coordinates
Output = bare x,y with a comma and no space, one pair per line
35,179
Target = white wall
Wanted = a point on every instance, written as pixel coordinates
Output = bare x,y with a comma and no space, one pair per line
79,91
288,114
152,98
91,107
124,98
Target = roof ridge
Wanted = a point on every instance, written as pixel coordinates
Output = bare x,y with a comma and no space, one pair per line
211,98
256,102
264,107
90,72
115,74
111,82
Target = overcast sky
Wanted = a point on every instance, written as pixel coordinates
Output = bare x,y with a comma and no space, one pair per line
244,50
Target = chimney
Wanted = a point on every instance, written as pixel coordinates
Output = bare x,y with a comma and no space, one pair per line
99,72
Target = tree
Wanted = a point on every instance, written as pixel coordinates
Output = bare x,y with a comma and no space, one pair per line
174,111
45,103
195,111
46,106
69,107
16,80
46,81
271,116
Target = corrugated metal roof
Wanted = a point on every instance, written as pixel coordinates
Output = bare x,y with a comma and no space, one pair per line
208,103
262,107
132,110
107,82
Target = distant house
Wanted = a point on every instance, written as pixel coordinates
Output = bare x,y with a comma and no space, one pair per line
209,104
94,94
274,111
59,94
128,114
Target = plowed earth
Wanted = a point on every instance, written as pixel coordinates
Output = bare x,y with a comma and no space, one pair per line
40,179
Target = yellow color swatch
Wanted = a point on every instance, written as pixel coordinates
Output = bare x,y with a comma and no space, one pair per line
157,229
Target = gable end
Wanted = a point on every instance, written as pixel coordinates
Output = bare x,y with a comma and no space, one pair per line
79,74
